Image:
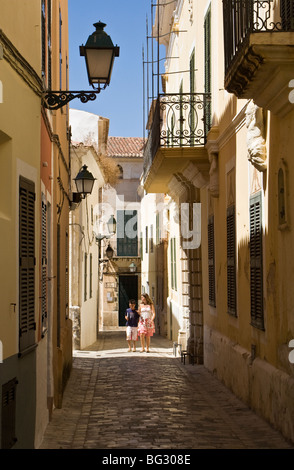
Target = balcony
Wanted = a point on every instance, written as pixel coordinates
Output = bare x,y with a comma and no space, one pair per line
178,126
259,52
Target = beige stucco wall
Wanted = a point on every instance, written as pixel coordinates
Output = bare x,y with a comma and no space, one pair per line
83,231
252,362
20,155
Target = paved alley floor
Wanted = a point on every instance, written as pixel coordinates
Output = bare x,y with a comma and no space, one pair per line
120,400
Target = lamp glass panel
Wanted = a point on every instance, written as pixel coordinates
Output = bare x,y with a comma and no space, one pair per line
88,185
111,225
99,64
80,186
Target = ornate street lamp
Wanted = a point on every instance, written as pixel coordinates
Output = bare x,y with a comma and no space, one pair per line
99,53
109,252
133,268
84,182
111,224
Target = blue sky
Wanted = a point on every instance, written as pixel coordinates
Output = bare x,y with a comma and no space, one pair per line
122,101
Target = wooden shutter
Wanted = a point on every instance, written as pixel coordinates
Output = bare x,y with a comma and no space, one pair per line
66,273
58,249
27,261
231,260
192,98
43,20
287,14
211,262
85,276
207,66
127,233
49,44
173,263
91,277
256,271
141,246
44,268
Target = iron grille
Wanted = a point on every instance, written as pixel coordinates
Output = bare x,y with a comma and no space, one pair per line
243,17
178,120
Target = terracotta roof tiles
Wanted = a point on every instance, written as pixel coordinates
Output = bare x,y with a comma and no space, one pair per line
125,146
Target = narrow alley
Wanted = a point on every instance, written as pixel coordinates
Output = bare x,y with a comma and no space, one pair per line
120,400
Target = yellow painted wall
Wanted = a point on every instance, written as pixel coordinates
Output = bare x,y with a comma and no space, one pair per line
19,155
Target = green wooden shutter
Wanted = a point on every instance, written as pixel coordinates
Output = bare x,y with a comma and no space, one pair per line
256,271
231,260
27,262
211,262
127,233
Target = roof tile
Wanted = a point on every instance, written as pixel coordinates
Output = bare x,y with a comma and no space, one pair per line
125,146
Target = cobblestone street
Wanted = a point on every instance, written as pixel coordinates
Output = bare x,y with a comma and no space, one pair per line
120,400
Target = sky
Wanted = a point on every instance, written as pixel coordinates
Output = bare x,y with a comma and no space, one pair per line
122,101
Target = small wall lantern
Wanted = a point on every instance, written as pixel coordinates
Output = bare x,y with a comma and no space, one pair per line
84,181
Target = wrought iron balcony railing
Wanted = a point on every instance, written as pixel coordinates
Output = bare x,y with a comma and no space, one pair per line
178,120
243,17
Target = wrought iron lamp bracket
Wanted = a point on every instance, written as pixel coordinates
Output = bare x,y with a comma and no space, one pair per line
57,99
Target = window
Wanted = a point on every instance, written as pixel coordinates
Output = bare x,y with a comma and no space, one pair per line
60,50
158,236
173,260
192,98
43,22
46,41
91,277
256,271
127,233
49,45
287,14
282,197
151,238
44,268
141,246
146,240
211,262
85,276
66,273
231,260
120,172
207,66
27,262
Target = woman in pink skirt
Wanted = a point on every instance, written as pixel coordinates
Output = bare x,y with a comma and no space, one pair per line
146,326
